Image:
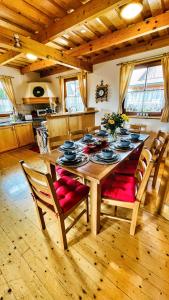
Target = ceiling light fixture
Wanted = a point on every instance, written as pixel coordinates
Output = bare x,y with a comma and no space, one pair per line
131,10
17,43
31,56
83,30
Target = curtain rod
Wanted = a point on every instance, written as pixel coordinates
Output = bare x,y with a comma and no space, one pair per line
151,58
1,76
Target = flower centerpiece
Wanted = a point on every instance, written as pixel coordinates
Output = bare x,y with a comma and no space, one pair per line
113,121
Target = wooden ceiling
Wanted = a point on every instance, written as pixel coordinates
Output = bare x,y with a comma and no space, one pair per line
77,33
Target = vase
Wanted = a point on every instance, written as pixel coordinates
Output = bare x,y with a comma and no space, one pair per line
113,136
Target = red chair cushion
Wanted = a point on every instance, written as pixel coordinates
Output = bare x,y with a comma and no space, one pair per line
62,172
136,153
69,192
127,167
119,187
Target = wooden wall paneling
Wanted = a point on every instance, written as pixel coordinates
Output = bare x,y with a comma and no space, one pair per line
57,126
8,139
76,122
24,133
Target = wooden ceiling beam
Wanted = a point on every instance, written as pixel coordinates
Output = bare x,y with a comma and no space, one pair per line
53,71
37,65
29,45
8,57
140,29
131,50
84,13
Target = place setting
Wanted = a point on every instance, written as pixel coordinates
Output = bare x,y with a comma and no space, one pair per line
102,133
87,139
123,132
106,156
135,138
122,145
69,145
72,159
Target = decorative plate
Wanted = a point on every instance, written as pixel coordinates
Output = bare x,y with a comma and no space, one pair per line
81,160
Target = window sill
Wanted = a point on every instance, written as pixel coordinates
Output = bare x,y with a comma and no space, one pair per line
144,117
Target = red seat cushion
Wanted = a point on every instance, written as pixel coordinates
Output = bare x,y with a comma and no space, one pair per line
127,167
136,153
119,187
62,172
69,192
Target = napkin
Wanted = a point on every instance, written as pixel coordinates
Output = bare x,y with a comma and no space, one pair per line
92,148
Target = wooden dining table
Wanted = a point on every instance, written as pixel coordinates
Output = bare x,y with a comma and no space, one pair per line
94,173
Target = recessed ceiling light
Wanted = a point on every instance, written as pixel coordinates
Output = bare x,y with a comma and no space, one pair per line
83,30
131,10
69,11
31,56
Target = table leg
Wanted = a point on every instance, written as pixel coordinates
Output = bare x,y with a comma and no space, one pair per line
95,205
51,170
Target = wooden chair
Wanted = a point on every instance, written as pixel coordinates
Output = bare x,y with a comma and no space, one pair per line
157,149
76,134
54,142
49,198
93,129
127,191
163,192
137,128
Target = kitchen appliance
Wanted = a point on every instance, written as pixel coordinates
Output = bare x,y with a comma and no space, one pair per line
28,117
41,112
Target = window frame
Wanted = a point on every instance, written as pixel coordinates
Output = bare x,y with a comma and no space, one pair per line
67,79
150,114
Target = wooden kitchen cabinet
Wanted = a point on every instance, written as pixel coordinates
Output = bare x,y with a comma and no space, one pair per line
14,136
8,139
24,133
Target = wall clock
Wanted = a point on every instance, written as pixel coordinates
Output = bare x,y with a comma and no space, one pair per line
101,92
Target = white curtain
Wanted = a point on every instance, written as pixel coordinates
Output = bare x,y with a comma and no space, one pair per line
126,71
8,88
165,66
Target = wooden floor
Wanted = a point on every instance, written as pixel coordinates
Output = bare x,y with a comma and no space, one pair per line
112,265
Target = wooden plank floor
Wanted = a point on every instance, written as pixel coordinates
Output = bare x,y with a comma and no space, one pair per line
112,265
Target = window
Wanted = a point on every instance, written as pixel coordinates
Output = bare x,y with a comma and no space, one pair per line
5,104
72,92
146,91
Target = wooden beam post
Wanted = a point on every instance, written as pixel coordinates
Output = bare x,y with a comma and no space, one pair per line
53,71
5,58
29,45
140,29
37,65
130,50
84,13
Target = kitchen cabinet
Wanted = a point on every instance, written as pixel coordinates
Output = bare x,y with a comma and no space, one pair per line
8,139
24,133
14,136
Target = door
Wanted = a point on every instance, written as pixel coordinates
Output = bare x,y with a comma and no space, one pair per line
24,133
8,139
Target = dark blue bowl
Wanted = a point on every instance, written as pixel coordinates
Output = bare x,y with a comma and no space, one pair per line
123,130
70,155
88,137
107,153
135,136
102,132
125,143
68,144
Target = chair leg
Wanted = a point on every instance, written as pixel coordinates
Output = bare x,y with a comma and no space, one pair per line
115,210
134,218
87,209
155,175
41,217
62,232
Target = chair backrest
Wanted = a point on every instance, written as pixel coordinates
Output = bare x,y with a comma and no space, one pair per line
159,146
137,128
76,134
93,129
163,192
42,187
143,172
54,142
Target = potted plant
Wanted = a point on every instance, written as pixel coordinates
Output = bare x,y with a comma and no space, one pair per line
112,121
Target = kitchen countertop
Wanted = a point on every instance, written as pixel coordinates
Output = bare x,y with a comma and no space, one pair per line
3,124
